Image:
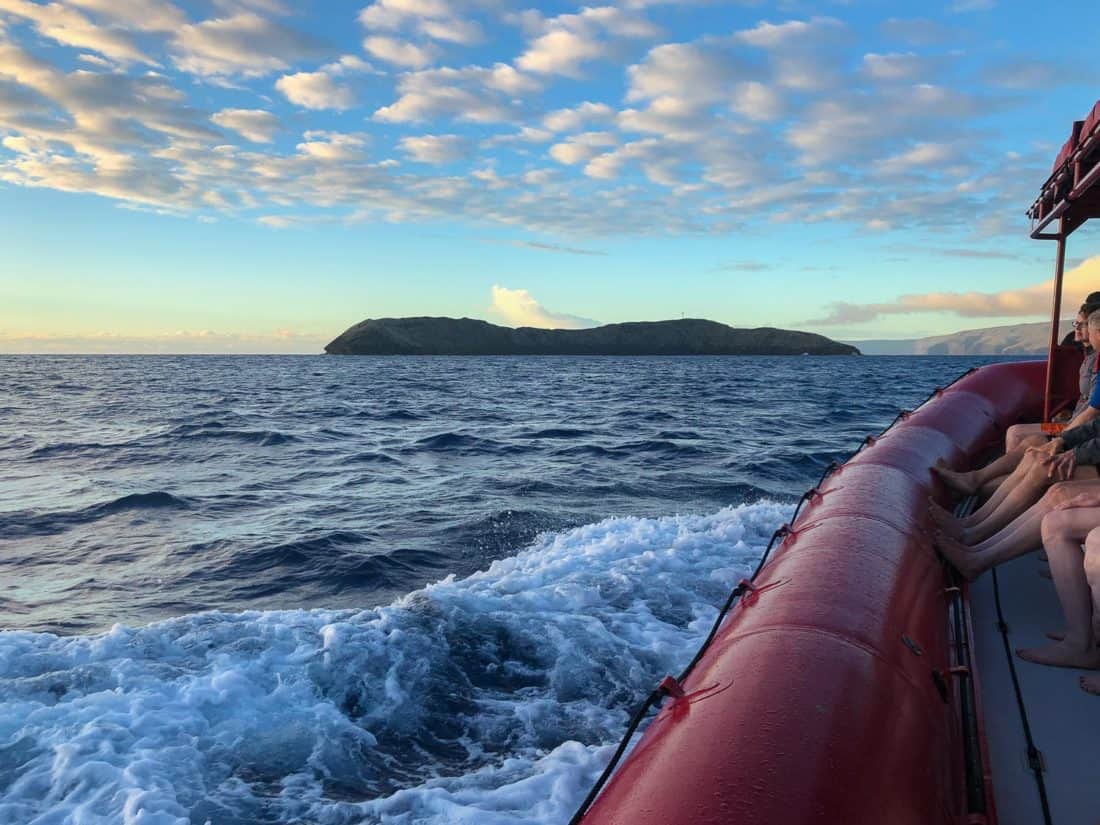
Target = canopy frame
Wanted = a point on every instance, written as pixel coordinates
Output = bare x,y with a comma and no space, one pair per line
1070,196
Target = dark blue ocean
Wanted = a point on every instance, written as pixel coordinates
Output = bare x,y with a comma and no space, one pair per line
322,590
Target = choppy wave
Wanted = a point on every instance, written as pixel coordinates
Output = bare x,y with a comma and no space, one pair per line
36,523
269,536
488,699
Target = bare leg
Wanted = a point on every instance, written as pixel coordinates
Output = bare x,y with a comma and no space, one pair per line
1091,684
1026,466
1022,535
1023,488
990,487
1020,435
1063,531
970,482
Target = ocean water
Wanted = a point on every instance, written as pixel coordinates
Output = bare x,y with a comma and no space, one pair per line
354,590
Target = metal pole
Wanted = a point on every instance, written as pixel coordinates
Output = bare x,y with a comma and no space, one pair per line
1059,268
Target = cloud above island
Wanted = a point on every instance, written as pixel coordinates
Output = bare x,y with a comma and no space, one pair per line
518,308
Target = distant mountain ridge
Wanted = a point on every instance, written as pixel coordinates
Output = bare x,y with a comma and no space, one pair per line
1014,339
467,336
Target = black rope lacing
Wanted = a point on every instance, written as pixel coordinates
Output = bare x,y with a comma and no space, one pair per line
1034,758
665,688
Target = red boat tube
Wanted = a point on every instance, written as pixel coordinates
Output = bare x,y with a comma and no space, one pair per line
830,694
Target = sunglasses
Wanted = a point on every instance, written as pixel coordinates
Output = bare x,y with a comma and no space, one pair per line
1079,324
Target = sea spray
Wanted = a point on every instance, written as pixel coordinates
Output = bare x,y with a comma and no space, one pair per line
488,699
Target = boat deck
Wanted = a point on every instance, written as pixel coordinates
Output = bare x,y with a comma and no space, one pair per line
1064,720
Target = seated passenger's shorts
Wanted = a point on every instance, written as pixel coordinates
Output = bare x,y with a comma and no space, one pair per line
1053,429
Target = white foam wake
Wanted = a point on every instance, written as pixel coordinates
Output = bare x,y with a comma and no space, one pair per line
485,700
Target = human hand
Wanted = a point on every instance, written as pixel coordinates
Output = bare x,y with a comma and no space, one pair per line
1050,448
1061,467
1080,500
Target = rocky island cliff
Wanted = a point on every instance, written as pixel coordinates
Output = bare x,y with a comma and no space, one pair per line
466,336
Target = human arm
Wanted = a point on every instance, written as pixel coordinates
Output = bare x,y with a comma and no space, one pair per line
1084,417
1083,440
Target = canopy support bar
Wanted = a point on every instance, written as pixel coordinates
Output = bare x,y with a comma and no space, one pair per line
1059,269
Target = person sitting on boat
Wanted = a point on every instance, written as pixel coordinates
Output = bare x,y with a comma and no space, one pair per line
1073,523
1021,535
1071,456
1021,436
1038,469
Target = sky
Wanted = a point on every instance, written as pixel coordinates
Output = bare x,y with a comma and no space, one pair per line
258,175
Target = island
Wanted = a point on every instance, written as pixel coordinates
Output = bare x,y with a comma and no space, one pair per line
468,336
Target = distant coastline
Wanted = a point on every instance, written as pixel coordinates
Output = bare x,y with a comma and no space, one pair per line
467,336
1014,339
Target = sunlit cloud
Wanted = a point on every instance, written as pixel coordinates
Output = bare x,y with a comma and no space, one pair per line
1024,302
518,308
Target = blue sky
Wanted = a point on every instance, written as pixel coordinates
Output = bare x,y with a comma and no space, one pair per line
257,175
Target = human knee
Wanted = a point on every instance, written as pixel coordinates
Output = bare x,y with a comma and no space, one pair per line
1012,436
1092,557
1029,461
1058,494
1055,525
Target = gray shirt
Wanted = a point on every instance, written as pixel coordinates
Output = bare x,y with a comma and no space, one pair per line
1087,382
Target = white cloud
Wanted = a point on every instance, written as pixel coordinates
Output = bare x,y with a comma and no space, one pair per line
931,156
758,101
898,66
400,52
673,117
701,71
570,40
561,52
142,15
518,308
315,90
436,19
67,26
436,148
869,124
582,148
800,50
570,120
257,125
245,44
474,93
333,146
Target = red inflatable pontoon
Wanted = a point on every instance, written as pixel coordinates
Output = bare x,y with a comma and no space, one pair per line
842,687
836,693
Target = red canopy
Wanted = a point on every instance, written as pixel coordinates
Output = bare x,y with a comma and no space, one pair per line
1071,192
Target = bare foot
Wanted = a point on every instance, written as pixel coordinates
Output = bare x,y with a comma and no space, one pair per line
944,520
1091,684
1063,654
960,482
959,555
1059,635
